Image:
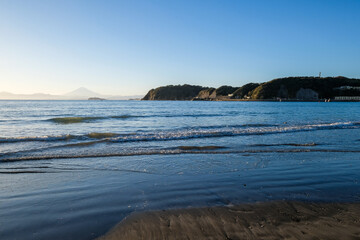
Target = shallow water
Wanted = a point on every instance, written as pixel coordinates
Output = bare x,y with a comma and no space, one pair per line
73,169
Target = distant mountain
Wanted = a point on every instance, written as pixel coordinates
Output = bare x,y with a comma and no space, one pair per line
78,94
82,92
35,96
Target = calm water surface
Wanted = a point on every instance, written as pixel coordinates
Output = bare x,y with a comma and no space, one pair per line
73,169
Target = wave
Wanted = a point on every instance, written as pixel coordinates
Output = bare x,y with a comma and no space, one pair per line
87,119
190,115
286,144
123,116
190,133
72,120
67,137
37,138
22,172
234,126
226,131
170,151
101,135
200,147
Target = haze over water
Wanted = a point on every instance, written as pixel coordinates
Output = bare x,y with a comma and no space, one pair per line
73,169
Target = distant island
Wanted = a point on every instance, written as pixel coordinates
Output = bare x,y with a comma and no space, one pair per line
96,99
287,89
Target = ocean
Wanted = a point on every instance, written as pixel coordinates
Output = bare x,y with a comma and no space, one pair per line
74,169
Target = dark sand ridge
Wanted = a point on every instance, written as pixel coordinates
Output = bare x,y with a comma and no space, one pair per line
274,220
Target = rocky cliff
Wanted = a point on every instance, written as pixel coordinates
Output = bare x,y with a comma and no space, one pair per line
171,92
215,94
245,91
306,88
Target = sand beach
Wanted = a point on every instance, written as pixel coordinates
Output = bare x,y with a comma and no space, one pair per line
274,220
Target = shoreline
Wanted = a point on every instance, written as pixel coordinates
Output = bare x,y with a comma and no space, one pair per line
269,220
247,100
263,100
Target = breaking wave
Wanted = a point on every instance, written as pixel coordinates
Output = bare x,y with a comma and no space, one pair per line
87,119
190,133
202,132
71,120
37,138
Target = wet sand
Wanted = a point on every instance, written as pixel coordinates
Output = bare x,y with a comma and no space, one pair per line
274,220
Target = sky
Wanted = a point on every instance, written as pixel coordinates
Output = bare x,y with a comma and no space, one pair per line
128,47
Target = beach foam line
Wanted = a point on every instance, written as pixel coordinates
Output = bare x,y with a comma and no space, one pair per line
254,125
65,137
71,145
184,148
37,138
271,220
170,151
226,131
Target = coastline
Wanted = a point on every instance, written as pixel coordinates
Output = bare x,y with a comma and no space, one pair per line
247,100
270,220
275,100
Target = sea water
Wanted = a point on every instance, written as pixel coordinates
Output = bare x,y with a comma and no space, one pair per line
73,169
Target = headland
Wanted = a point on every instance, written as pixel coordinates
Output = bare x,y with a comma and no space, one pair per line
281,89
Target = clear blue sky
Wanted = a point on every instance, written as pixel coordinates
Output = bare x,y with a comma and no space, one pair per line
128,47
